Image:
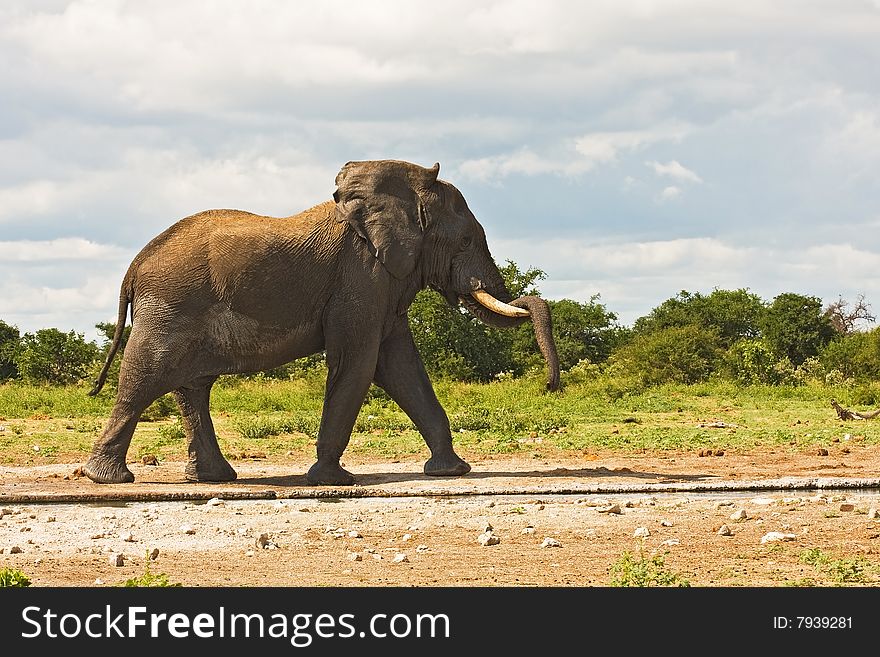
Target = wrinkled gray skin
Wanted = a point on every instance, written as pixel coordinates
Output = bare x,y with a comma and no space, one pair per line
226,291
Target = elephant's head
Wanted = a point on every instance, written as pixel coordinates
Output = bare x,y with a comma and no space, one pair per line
418,225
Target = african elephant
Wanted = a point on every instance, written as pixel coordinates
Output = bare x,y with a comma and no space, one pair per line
227,291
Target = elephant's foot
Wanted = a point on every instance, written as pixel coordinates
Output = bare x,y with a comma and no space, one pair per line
447,465
105,470
214,470
329,473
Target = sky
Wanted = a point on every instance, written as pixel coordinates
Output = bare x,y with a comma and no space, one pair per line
629,149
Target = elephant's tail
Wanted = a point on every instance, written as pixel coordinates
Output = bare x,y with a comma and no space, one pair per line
124,301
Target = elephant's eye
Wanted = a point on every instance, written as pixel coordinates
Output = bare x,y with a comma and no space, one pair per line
466,241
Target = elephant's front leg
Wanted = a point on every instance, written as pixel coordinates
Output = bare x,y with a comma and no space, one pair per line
351,362
401,373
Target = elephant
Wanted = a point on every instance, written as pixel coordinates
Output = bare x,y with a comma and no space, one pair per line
228,291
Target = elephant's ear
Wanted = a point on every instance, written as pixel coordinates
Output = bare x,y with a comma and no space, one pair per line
382,202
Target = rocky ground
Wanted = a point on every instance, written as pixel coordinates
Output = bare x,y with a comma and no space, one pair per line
751,519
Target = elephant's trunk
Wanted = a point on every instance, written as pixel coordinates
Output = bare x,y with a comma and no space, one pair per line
513,313
539,313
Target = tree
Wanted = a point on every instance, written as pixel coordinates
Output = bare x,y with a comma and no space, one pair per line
676,354
795,327
52,356
734,314
845,320
582,331
854,355
9,341
454,343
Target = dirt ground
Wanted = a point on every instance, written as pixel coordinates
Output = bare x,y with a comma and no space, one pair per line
553,523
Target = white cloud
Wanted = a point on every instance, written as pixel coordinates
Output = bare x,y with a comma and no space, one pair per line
634,277
66,248
576,156
669,193
674,169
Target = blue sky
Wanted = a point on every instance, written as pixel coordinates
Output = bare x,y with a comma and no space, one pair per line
629,149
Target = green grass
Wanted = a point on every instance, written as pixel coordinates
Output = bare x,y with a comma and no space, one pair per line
507,416
839,571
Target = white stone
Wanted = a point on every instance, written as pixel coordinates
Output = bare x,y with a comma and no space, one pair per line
488,538
215,501
666,523
355,556
641,532
422,548
128,537
187,529
354,534
528,530
671,542
724,530
117,560
400,558
773,537
742,514
249,553
99,582
873,513
550,542
405,538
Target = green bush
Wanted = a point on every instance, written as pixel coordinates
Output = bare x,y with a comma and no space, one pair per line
679,354
13,578
642,572
51,356
752,362
9,345
161,409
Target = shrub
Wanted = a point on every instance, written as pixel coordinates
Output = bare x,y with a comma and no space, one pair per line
148,579
678,354
641,572
161,409
13,578
753,362
51,356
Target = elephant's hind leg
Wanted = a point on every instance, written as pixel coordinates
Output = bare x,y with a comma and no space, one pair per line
206,463
106,465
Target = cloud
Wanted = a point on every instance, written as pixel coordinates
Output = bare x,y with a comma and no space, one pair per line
634,277
573,157
673,169
669,194
72,248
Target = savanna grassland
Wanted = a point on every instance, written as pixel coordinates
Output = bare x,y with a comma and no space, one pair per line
270,418
515,433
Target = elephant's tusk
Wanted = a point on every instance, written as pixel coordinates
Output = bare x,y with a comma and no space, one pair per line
497,306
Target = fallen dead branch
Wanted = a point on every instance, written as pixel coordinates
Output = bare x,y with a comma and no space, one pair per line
846,414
